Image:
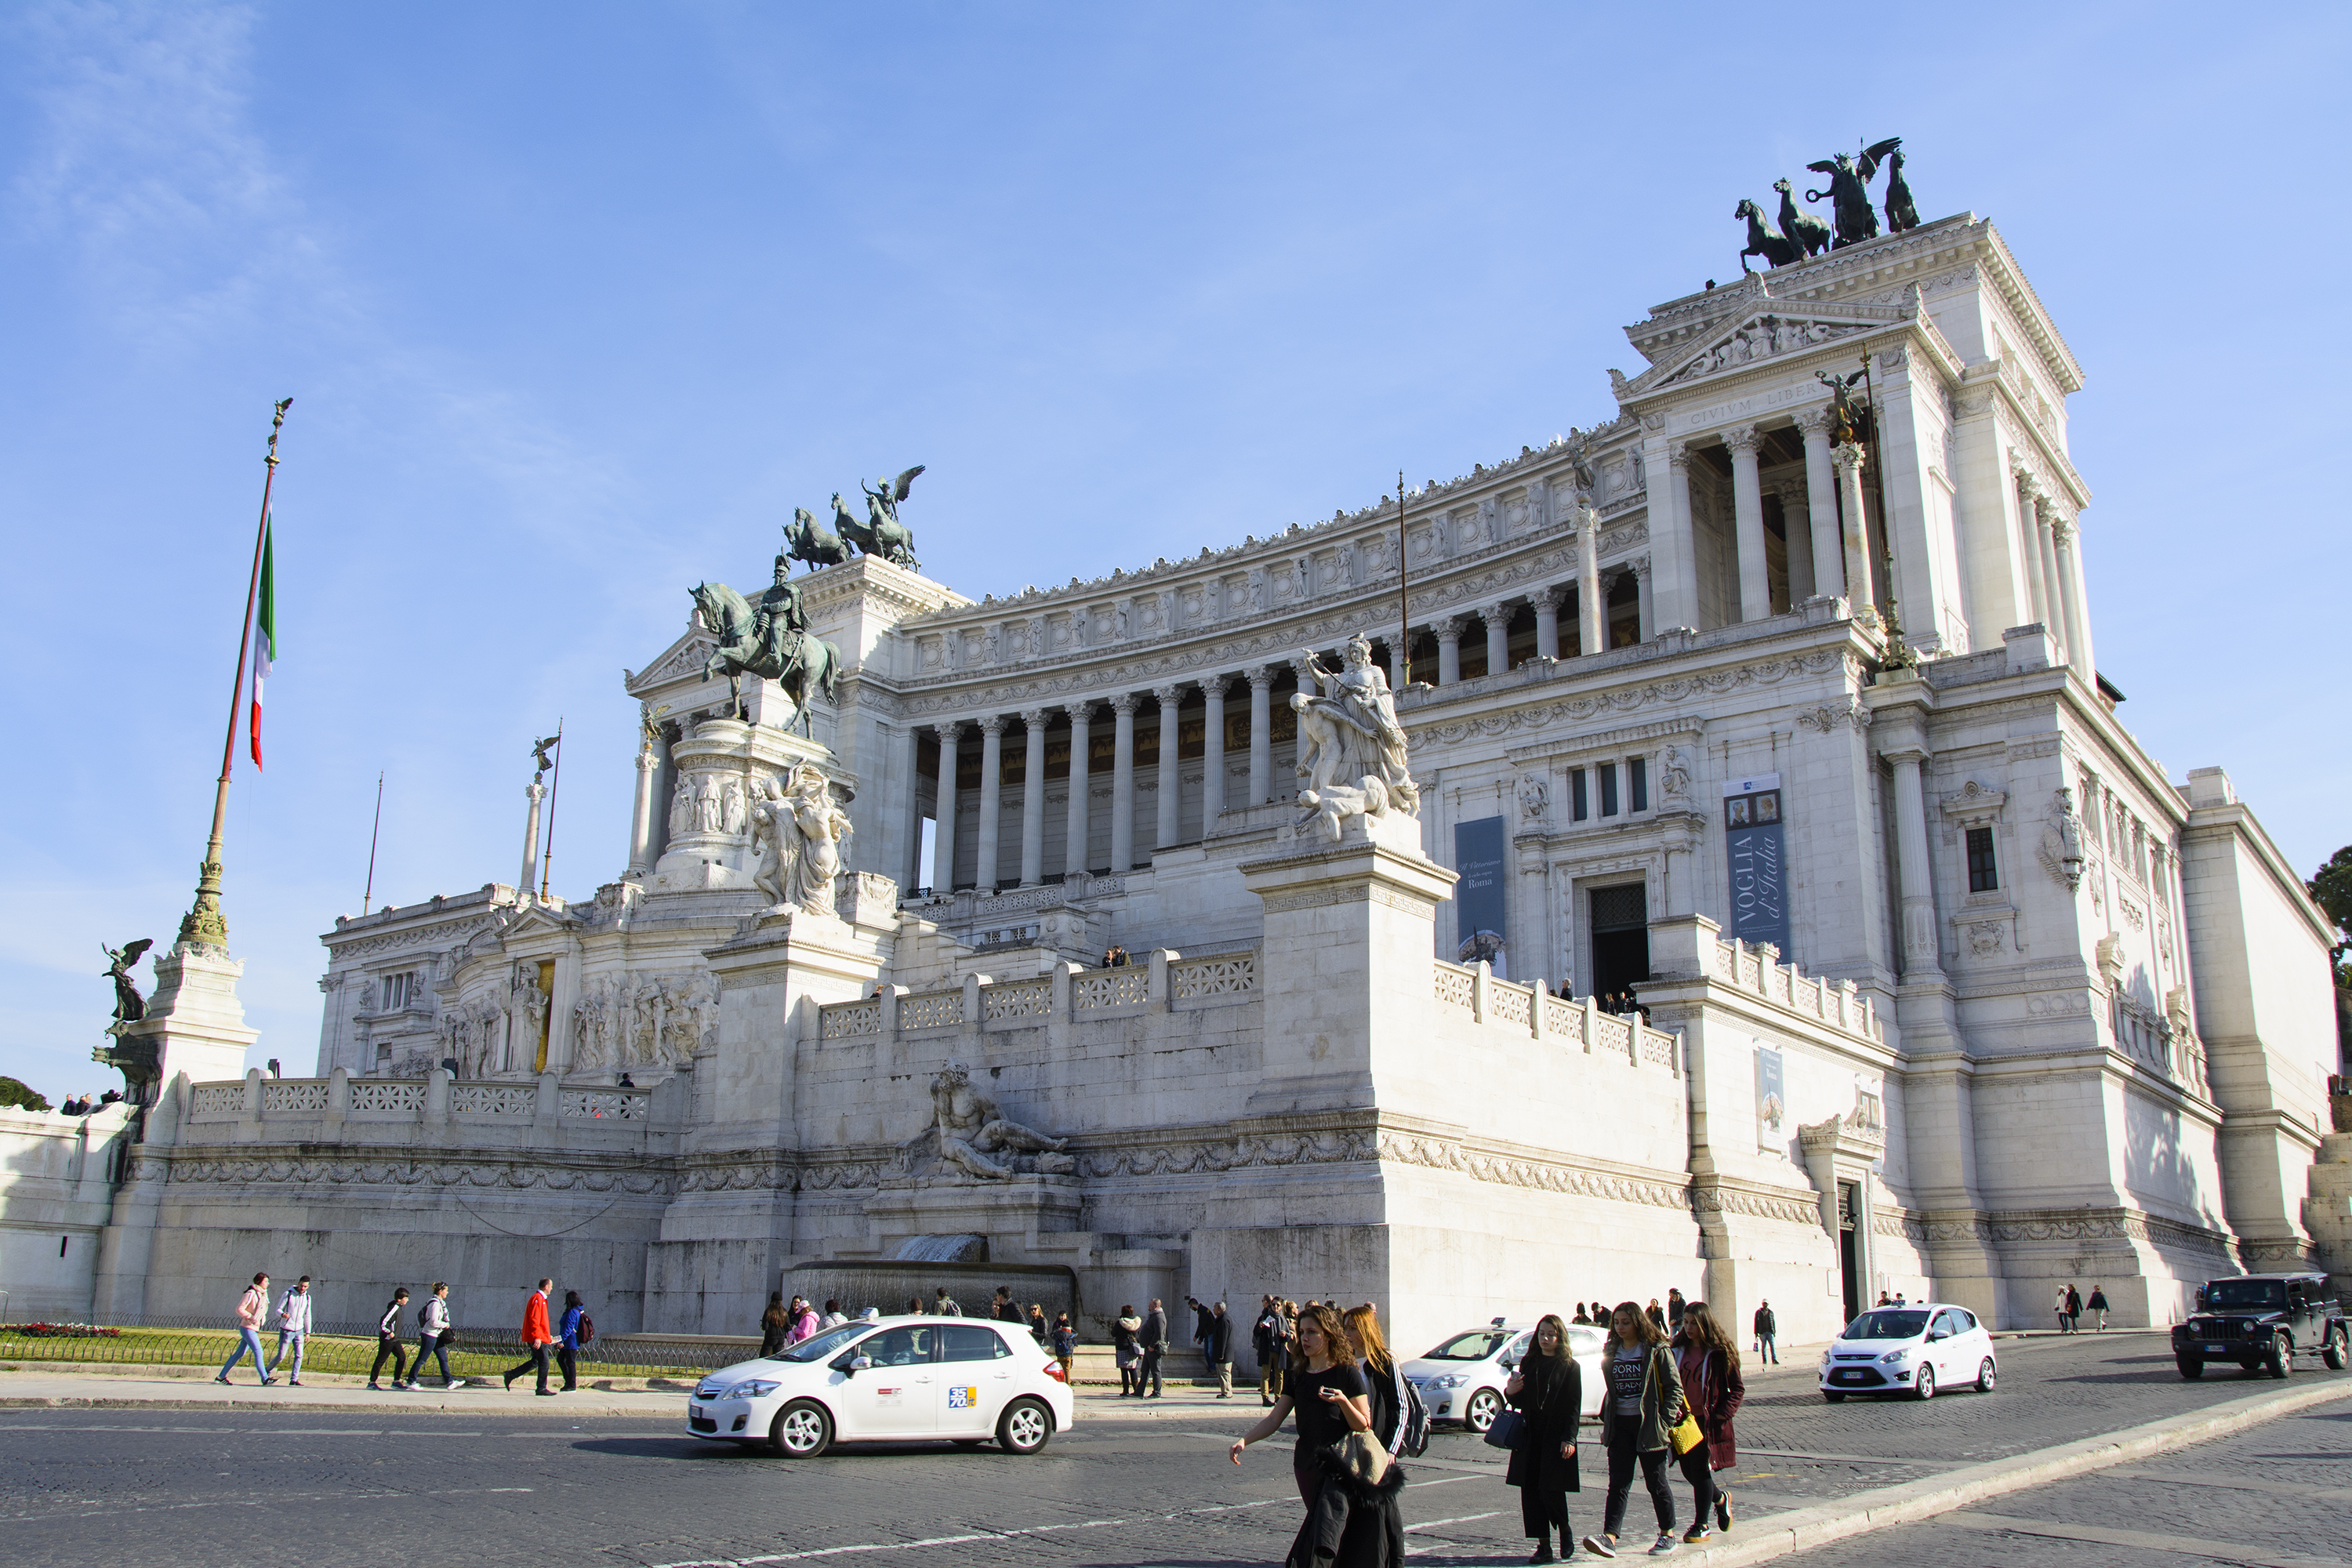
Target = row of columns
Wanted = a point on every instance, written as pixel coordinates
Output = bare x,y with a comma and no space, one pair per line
2053,575
1832,482
1591,604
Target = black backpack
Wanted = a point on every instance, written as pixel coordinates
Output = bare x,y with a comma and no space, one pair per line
1411,1441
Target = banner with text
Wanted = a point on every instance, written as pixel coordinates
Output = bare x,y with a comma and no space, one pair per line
1480,917
1751,838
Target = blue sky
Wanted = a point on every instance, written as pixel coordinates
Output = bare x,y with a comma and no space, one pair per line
577,302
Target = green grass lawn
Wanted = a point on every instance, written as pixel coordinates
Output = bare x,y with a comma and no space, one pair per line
324,1352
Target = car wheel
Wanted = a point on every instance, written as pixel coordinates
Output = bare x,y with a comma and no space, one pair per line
1988,1376
2281,1359
1925,1387
1480,1413
2190,1366
1831,1396
1025,1427
2333,1350
801,1430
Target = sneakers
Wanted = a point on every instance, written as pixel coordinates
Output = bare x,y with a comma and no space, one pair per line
268,1382
1722,1510
544,1393
1600,1545
293,1383
1542,1554
509,1385
456,1382
1666,1544
222,1378
376,1386
1697,1534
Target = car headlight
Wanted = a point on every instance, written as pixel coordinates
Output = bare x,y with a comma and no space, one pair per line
1449,1380
1826,1358
1891,1357
754,1388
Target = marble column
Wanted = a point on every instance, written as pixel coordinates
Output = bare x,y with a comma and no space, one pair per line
534,792
1213,739
1922,957
1073,856
1498,639
1172,800
2056,593
1547,624
1860,582
1821,505
641,818
2030,530
1449,649
909,869
2078,607
1397,669
991,798
1122,785
1644,624
1032,799
1592,601
1261,787
1796,526
943,813
1747,520
1676,551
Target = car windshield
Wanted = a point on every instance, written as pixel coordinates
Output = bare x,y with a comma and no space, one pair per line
1475,1345
817,1347
2245,1293
1886,1325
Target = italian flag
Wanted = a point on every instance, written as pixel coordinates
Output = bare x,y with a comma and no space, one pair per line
265,640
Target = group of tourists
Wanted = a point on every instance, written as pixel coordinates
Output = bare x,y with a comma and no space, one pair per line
1355,1415
2070,1306
436,1331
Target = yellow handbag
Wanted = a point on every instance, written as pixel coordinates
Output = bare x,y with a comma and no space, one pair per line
1684,1434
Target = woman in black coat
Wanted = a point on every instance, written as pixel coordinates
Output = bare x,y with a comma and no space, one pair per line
1548,1390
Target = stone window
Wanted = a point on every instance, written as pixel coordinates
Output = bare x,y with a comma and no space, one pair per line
1983,877
1580,803
398,991
1637,781
1609,789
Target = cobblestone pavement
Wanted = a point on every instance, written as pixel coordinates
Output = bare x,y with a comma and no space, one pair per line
1129,1483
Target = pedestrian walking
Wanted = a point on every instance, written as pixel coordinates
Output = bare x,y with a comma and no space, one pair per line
1128,1352
387,1343
775,1324
946,1305
1066,1345
1643,1402
1220,1348
568,1339
1581,1316
834,1316
1270,1341
2098,1307
434,1330
1674,1313
2074,1310
1328,1394
293,1330
1385,1394
1709,1364
537,1337
1152,1341
1657,1315
1202,1314
1767,1334
1547,1391
805,1321
2061,1305
1039,1329
1004,1310
251,1307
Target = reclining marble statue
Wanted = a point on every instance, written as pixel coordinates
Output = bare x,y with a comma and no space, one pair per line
1351,750
965,1131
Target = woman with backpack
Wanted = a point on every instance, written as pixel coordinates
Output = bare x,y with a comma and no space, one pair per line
576,1332
1392,1398
1642,1403
433,1332
1710,1363
1065,1346
1547,1391
1128,1352
388,1345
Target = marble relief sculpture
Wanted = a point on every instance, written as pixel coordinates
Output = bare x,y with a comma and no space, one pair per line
967,1133
797,830
1352,748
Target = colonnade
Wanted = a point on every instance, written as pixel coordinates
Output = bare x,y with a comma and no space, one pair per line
1839,559
2054,576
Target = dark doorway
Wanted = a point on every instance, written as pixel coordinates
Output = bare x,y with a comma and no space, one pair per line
1849,1262
1620,937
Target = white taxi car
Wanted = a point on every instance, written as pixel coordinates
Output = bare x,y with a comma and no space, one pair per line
1461,1380
889,1380
1914,1348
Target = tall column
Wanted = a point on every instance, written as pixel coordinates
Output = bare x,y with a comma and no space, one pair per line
2048,544
1592,601
1748,518
1449,649
1073,856
1261,680
2078,606
909,869
1861,583
1921,957
535,792
1498,639
1678,552
1032,799
1212,770
1397,665
1645,624
1821,505
1122,785
1796,526
1547,624
992,801
2029,530
1172,816
943,815
641,818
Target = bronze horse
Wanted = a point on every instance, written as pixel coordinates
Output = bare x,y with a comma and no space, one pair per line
804,541
1778,250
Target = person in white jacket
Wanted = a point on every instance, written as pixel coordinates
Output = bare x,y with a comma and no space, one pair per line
293,1330
434,1331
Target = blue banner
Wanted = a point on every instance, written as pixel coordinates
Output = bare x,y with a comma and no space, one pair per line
1751,839
1480,915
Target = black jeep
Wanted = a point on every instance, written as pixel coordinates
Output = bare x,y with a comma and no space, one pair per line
2261,1321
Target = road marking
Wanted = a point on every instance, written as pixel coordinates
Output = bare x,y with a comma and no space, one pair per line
273,1498
1434,1523
2276,1489
1013,1534
254,1431
2141,1539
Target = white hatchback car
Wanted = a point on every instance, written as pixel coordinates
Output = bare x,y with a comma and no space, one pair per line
1914,1348
1461,1380
889,1380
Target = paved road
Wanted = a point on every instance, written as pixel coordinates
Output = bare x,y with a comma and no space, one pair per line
1129,1484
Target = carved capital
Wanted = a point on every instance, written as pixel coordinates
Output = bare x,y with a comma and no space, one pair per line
2063,532
1448,629
1640,567
1212,687
1494,615
1034,718
1848,458
1814,422
1170,697
1678,454
1080,712
1259,675
1551,598
950,731
992,726
1742,439
1125,704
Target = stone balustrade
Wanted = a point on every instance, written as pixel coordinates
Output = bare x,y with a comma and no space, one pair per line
1759,972
1167,981
436,1098
1534,1011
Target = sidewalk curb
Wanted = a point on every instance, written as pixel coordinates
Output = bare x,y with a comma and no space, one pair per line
1912,1503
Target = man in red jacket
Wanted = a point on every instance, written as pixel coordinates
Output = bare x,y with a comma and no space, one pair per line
536,1338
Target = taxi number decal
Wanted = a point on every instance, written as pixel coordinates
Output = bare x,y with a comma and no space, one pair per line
963,1398
889,1395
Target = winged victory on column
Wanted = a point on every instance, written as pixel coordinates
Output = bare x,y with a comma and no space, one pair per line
1849,190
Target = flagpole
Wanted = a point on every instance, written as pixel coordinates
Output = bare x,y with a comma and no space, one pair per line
203,924
547,854
373,834
1404,607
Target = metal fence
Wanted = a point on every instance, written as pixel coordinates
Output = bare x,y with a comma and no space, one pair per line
346,1347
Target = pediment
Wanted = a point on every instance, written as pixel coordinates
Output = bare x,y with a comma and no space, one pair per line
1756,337
682,660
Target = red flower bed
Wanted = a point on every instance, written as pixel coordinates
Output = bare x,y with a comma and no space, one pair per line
62,1332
